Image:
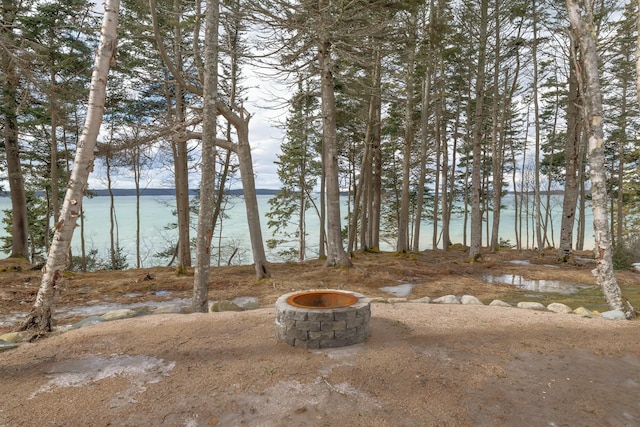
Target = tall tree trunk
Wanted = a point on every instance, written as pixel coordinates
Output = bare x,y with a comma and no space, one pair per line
19,220
181,154
374,196
136,179
364,193
572,149
637,52
55,203
497,165
582,27
476,184
199,302
403,244
40,317
582,202
113,230
336,255
251,200
424,141
536,120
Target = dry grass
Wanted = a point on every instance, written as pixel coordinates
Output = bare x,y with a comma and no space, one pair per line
435,272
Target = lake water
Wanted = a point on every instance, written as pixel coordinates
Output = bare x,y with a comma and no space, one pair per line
156,214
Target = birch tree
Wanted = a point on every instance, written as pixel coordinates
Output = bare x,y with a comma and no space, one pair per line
581,19
40,317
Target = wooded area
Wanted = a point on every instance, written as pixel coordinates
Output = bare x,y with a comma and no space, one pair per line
415,109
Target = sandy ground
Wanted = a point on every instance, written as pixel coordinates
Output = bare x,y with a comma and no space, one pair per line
423,365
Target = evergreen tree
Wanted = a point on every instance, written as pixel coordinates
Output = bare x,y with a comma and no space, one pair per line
298,170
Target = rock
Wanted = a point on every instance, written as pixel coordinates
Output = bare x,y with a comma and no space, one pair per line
447,299
395,300
635,267
224,306
470,300
584,312
167,309
557,307
251,305
614,315
16,337
123,313
531,305
423,300
91,320
5,345
499,303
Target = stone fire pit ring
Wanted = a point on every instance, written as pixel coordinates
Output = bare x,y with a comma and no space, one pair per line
322,318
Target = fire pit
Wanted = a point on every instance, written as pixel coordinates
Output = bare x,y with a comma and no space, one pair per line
322,318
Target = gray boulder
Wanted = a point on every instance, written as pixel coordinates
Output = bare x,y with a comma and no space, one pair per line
531,305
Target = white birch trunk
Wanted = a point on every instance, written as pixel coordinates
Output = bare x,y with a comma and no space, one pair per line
593,102
638,54
40,317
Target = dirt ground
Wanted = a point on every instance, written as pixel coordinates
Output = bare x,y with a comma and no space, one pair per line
423,364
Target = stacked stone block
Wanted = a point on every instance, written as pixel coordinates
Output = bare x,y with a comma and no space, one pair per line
323,327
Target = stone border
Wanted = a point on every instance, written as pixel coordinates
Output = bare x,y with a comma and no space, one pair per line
9,339
471,300
322,328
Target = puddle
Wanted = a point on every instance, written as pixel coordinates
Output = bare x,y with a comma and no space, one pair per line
399,291
519,262
94,308
12,319
518,281
527,262
101,308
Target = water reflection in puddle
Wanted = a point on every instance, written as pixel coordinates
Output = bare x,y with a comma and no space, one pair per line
95,308
527,262
98,308
104,307
403,290
534,285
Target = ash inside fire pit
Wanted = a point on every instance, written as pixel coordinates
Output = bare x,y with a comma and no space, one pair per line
322,318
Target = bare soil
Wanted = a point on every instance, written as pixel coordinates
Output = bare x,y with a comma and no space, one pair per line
423,365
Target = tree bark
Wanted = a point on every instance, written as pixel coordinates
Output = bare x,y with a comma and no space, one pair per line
19,219
582,27
40,317
536,119
250,199
199,302
403,244
574,131
180,154
336,255
476,213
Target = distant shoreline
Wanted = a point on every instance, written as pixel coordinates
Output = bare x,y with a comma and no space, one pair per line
119,192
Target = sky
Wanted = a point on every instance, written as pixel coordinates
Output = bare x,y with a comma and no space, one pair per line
265,104
266,98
